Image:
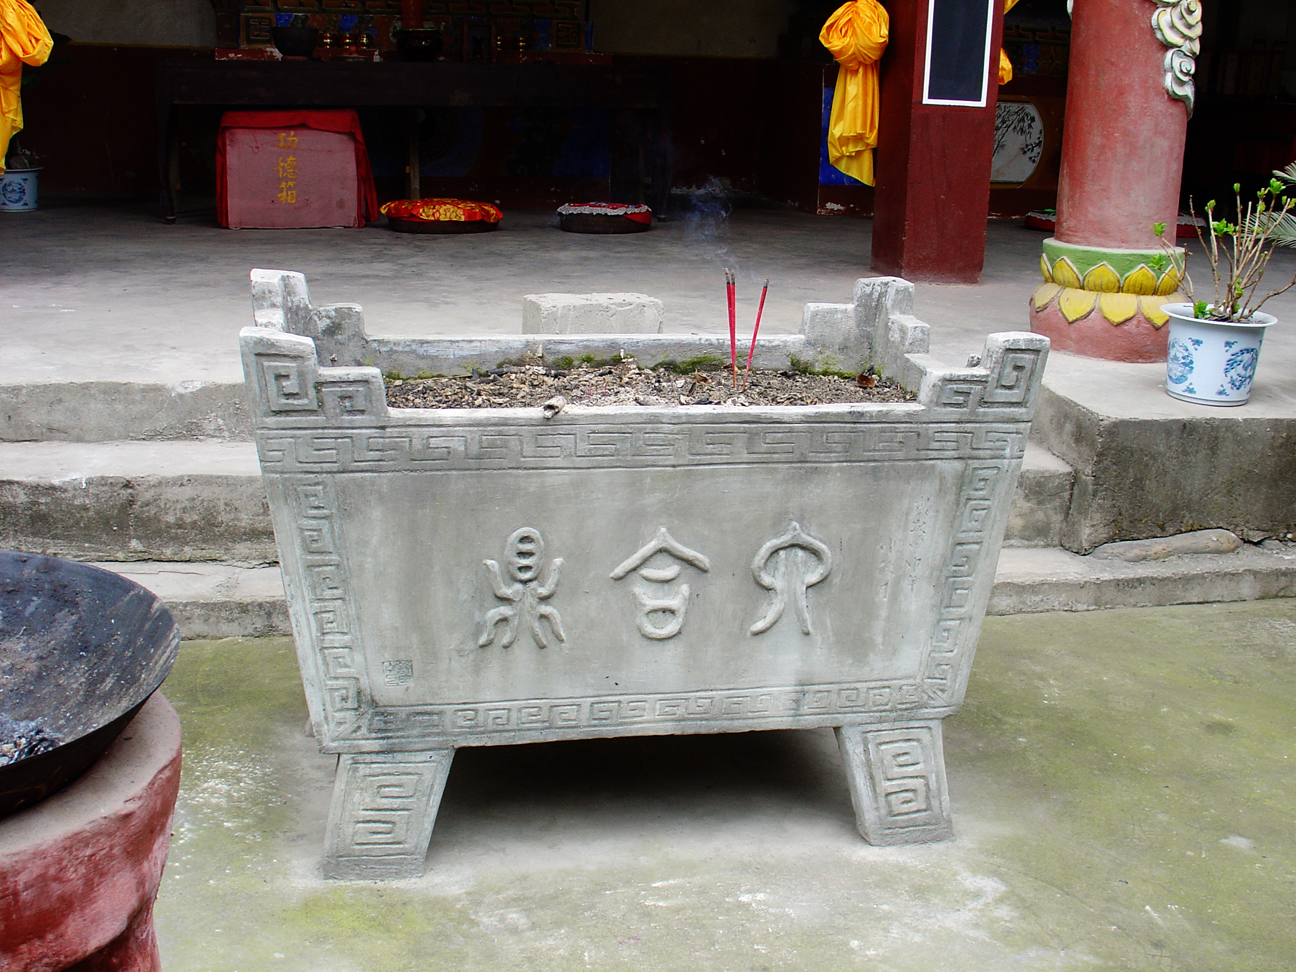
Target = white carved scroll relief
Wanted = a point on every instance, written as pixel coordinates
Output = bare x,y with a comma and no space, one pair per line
661,613
787,565
523,556
1178,25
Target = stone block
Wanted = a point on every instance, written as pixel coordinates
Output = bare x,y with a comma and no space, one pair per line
591,314
484,577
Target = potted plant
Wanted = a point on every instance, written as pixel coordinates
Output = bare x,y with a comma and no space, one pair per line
1215,345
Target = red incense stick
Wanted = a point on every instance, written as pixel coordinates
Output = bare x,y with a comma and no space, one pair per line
731,291
755,330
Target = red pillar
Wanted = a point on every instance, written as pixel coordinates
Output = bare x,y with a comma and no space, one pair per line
1105,273
1122,145
933,161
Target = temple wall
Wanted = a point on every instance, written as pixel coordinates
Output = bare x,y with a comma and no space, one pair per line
690,28
682,28
151,23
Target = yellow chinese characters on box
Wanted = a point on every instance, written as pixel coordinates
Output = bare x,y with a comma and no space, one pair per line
290,178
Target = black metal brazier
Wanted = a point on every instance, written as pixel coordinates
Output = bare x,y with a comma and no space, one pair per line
81,650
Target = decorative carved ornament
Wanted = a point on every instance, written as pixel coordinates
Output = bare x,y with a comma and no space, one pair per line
1178,25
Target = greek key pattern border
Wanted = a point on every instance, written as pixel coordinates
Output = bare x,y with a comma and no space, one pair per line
944,656
442,724
594,446
329,608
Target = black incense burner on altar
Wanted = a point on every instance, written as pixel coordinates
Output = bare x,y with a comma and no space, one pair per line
420,43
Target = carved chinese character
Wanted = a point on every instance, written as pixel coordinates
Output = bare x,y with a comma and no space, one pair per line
287,192
523,555
655,603
787,565
287,167
287,140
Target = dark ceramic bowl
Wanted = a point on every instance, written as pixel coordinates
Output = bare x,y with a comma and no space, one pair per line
420,44
81,650
295,41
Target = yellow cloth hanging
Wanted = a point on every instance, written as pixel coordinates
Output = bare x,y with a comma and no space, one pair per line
856,36
1005,65
23,40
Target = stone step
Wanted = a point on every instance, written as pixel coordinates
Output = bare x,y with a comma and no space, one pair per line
202,500
168,501
224,601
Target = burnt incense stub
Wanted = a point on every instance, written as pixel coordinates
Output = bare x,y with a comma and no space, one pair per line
478,577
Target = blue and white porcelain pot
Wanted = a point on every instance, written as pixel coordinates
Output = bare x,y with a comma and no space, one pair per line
18,190
1212,362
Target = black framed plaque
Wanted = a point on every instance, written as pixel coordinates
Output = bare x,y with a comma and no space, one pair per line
958,52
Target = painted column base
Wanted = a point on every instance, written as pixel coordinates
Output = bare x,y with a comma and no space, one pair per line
1116,327
1106,303
79,870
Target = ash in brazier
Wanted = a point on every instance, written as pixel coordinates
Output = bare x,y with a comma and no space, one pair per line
469,577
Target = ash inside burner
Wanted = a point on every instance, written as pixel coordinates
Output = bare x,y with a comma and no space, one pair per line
21,738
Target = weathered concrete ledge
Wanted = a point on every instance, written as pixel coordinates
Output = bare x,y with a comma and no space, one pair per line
591,314
101,411
181,501
1148,465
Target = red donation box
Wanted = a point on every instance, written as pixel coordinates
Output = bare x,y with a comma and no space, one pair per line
292,170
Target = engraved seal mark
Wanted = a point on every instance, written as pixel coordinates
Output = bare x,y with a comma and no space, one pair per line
652,606
399,672
787,565
523,555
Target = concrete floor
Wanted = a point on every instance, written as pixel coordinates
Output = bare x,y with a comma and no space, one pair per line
1120,782
94,291
1122,800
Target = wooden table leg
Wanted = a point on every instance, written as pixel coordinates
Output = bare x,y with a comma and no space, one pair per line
412,164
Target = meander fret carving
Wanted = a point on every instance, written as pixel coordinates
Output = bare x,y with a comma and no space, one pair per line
659,599
1009,386
406,447
292,385
327,604
524,559
903,763
446,722
386,804
951,634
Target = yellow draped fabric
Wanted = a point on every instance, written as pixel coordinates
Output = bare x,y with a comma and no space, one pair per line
23,40
1005,65
856,36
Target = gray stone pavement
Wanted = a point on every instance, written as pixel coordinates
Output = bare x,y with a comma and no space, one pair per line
114,326
106,292
1119,778
1121,790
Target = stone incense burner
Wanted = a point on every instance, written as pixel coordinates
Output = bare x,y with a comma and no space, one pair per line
478,577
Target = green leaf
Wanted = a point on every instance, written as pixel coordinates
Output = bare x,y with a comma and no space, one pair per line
1200,309
1158,229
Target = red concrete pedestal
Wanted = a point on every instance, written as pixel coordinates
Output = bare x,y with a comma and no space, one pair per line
79,870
